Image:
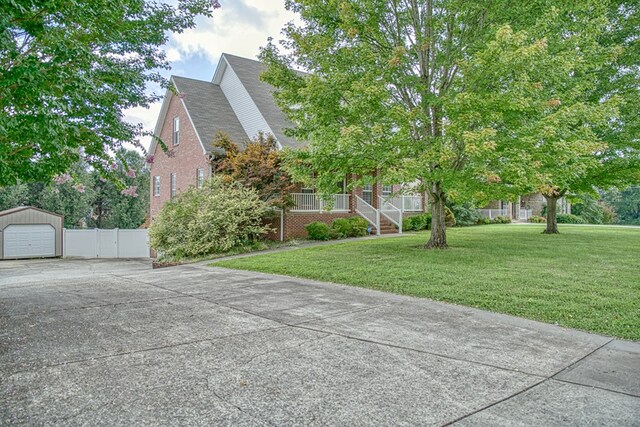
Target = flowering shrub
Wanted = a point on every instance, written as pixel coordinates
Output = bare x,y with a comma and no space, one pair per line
214,219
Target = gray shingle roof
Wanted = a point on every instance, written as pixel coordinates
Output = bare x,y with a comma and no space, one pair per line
209,110
248,71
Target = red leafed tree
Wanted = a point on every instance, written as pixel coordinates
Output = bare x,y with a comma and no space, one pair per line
257,164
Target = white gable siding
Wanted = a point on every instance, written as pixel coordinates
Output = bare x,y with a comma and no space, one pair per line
246,110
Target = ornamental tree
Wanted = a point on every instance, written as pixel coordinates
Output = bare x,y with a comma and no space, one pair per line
68,70
257,165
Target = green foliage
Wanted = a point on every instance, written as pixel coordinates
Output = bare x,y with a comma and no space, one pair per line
342,226
466,214
317,230
69,69
359,226
570,219
484,220
13,196
626,204
501,220
335,234
591,210
215,219
537,219
417,222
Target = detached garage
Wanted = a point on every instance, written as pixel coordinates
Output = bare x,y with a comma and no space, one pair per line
28,232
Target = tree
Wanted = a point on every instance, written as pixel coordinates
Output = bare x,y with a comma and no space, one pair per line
584,137
435,92
626,204
116,207
259,165
67,72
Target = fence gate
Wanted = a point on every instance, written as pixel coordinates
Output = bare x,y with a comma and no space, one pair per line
115,243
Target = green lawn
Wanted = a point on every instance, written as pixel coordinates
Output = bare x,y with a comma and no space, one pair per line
586,277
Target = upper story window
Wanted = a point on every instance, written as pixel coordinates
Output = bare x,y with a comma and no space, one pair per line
387,190
173,185
200,177
156,185
176,130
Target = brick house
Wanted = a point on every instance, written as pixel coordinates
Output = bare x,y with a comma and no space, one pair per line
238,103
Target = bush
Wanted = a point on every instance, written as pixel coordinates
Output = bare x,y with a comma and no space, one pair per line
317,230
483,220
417,222
466,215
214,219
501,220
569,219
359,226
335,234
537,219
342,226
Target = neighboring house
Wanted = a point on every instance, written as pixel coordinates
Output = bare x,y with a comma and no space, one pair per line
238,103
523,208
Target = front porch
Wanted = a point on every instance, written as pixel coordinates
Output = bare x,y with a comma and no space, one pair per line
384,213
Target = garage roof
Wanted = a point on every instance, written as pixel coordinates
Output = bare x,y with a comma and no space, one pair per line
23,208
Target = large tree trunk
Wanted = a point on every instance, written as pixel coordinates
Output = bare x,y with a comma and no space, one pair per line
438,239
552,217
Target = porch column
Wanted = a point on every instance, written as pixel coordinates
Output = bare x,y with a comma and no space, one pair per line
377,191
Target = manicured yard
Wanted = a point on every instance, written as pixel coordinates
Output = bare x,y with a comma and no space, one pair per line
586,278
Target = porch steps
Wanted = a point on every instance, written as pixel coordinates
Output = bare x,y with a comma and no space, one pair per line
386,226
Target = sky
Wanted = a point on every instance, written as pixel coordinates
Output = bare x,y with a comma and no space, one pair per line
239,27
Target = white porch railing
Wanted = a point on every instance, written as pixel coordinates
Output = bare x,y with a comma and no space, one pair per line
493,213
391,212
525,214
369,213
311,202
407,203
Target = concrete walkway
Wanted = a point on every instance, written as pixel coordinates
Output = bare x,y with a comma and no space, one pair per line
116,343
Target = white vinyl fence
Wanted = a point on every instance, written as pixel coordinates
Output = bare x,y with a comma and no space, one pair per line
114,243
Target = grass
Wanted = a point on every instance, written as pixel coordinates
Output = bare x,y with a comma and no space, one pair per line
586,277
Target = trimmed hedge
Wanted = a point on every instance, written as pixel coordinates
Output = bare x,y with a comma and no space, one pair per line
569,219
317,230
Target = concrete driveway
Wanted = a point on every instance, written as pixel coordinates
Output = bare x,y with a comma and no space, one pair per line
116,343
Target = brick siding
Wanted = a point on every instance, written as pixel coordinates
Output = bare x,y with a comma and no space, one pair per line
188,157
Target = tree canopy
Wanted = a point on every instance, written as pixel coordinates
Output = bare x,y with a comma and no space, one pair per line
455,96
68,70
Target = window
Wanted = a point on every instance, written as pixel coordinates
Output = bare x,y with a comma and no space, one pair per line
387,190
367,193
307,190
200,177
156,185
176,130
173,185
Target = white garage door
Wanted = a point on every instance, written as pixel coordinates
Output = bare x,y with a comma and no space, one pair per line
26,241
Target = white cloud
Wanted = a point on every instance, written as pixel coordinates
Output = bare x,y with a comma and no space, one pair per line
238,27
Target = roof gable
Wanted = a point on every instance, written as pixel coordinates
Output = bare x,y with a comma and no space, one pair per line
248,71
208,111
